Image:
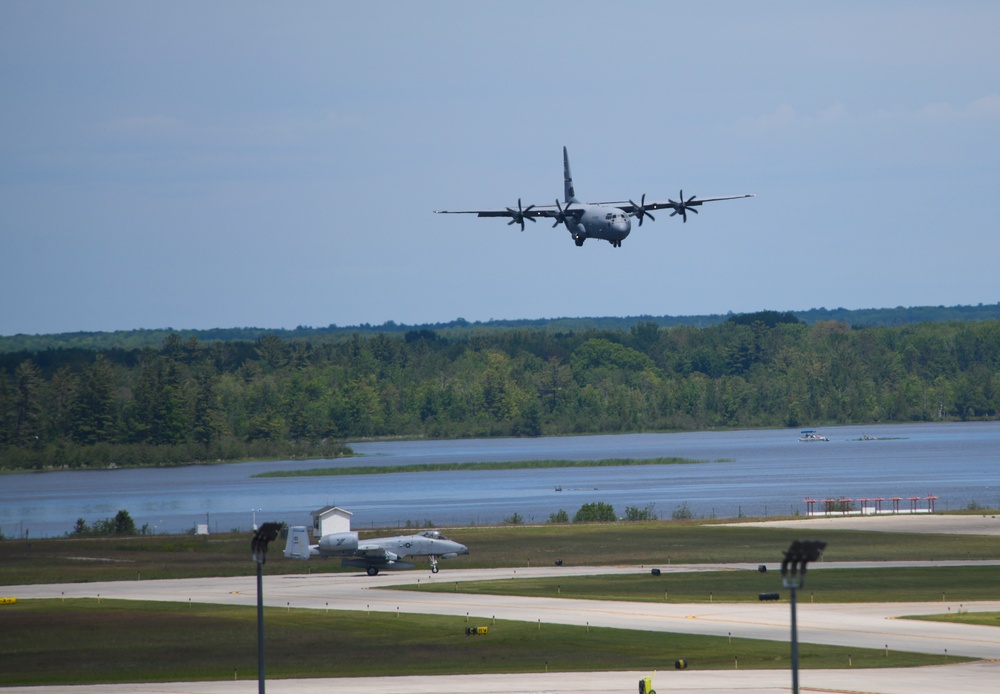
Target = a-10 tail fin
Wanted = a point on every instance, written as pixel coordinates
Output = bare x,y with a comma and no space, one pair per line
297,544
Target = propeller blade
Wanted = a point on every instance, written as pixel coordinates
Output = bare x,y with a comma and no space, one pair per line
644,212
562,216
681,208
640,209
517,217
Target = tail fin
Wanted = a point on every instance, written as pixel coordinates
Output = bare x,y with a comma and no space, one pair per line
297,544
570,194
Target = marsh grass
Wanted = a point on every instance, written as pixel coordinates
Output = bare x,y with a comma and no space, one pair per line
477,466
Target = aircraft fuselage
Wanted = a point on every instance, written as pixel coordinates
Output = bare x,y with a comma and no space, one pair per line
599,222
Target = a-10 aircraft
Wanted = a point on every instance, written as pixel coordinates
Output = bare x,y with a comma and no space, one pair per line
377,553
610,221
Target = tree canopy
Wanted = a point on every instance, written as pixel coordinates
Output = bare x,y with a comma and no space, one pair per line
188,401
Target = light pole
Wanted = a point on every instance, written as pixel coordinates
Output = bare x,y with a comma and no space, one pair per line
258,546
793,576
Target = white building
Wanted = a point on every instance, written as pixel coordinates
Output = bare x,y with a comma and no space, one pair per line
330,519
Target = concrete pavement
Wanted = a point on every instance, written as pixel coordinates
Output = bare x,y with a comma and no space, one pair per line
858,625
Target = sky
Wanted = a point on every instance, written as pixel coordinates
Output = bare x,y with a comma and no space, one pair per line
194,165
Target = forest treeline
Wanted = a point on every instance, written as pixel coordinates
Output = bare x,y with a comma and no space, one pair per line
187,401
461,328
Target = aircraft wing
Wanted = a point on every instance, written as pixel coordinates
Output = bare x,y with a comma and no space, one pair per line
529,212
374,553
694,201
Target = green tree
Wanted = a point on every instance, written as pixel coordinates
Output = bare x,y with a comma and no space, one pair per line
596,512
559,516
124,525
94,404
27,404
646,513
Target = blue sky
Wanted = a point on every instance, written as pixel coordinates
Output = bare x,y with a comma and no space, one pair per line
199,165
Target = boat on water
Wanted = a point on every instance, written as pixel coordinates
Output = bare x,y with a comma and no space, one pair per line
812,435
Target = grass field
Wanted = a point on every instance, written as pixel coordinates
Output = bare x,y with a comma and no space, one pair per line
986,619
658,543
81,641
47,641
922,584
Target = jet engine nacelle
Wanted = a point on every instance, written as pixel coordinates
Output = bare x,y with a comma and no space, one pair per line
338,544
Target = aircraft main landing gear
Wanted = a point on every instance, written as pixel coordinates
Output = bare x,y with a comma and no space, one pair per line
373,571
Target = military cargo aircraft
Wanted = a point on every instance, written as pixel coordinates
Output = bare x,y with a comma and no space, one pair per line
376,553
609,221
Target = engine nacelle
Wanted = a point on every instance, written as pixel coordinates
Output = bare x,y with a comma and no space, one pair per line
338,544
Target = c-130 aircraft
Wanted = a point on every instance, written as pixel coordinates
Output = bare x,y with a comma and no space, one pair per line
609,221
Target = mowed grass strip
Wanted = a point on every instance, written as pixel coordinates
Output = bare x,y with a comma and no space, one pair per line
477,466
656,543
84,641
951,584
986,619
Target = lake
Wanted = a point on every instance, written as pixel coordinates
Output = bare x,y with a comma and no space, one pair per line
750,473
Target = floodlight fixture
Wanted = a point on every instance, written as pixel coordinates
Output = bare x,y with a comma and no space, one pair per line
258,547
261,537
793,575
797,558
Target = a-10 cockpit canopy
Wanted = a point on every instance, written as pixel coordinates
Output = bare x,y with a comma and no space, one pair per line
433,534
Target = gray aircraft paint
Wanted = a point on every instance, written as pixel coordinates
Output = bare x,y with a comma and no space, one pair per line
374,554
607,221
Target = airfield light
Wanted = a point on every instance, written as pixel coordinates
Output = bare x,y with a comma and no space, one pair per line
258,547
793,576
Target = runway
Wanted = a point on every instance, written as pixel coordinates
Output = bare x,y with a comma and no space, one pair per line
859,625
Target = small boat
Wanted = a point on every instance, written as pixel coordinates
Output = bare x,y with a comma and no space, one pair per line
812,435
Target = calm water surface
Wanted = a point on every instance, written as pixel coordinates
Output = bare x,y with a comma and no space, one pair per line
753,473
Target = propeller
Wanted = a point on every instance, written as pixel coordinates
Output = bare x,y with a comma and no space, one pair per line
563,214
517,217
681,208
640,210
